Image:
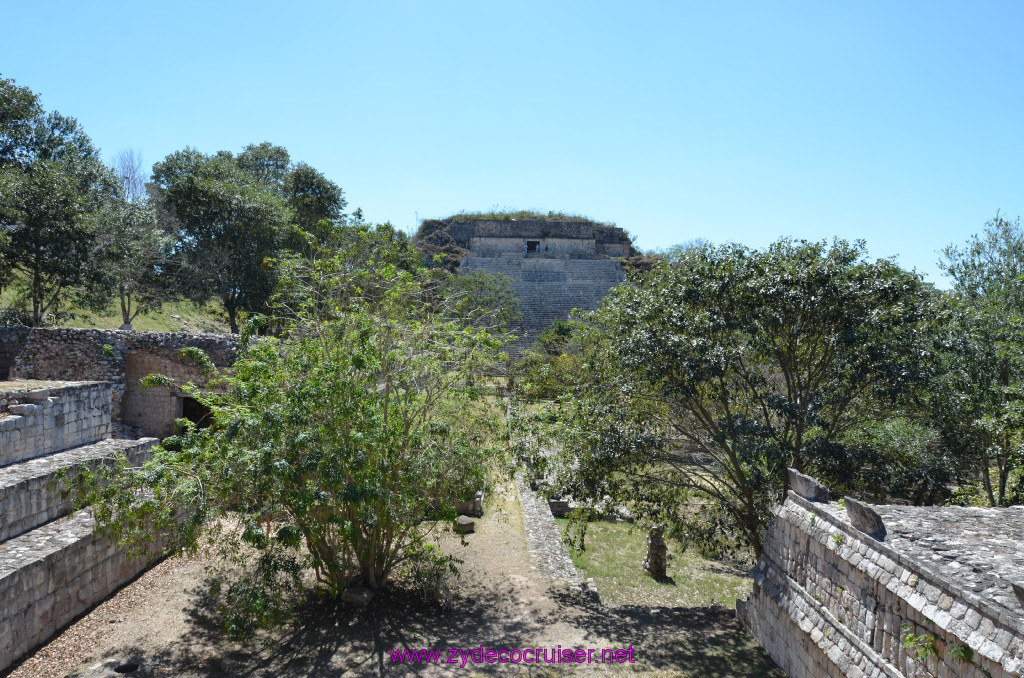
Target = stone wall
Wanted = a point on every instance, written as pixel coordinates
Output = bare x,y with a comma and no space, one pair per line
52,565
51,575
34,422
564,248
829,599
548,289
120,358
31,493
154,410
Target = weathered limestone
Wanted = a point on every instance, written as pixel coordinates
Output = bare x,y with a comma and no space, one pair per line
52,566
555,266
30,495
122,359
51,575
807,487
831,600
68,415
544,541
474,507
548,289
864,518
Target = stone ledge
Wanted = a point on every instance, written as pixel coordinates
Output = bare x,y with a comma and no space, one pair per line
818,545
1011,619
543,539
29,495
806,613
51,575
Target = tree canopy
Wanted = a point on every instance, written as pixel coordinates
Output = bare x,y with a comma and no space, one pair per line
713,372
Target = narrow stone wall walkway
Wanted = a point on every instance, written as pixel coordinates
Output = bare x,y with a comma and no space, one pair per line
544,541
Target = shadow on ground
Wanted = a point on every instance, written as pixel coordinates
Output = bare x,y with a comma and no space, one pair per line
332,639
699,641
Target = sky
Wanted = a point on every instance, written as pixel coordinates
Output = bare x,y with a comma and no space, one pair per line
900,123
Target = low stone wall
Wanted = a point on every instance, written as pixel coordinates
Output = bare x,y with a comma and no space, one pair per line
50,575
46,420
831,600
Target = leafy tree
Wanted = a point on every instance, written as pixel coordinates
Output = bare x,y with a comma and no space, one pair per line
266,163
19,112
53,190
317,203
978,402
229,228
708,375
328,445
136,250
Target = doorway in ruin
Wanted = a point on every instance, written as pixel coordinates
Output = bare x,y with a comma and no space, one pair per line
196,412
533,245
154,410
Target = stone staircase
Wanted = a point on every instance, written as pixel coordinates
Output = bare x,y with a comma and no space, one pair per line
548,289
52,565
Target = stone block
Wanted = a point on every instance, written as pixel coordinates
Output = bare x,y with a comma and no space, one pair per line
807,487
864,518
1018,590
464,525
38,395
559,508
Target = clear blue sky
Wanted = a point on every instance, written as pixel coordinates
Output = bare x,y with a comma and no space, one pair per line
898,122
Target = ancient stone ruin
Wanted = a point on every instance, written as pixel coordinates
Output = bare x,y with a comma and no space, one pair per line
554,265
52,566
122,359
856,590
74,390
656,561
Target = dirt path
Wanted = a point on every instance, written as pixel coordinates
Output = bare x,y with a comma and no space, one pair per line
163,623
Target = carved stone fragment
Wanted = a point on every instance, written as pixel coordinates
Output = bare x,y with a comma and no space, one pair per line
807,487
864,518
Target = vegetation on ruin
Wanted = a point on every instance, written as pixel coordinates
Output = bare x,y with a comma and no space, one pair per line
332,441
702,378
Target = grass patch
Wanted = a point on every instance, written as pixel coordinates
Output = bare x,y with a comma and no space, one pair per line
614,556
175,316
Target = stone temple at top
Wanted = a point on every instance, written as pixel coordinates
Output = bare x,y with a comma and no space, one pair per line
555,265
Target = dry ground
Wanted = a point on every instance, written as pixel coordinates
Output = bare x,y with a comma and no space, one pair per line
163,621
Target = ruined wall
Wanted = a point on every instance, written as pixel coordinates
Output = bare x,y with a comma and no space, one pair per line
608,240
831,600
65,570
549,247
109,355
154,410
34,422
52,566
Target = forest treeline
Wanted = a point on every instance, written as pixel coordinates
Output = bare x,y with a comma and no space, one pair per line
77,232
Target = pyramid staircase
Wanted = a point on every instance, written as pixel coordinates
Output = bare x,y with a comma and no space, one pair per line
548,289
53,567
